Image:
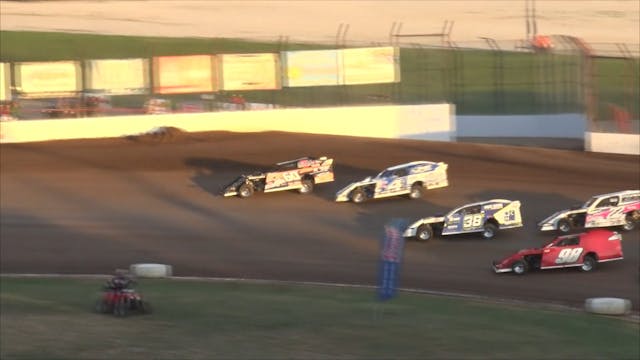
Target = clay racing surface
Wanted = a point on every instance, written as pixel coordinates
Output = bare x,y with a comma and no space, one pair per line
93,206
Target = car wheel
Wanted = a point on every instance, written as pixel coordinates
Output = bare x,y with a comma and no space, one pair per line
519,267
564,226
101,307
245,190
489,231
307,186
122,307
357,196
145,307
416,192
588,264
629,222
424,232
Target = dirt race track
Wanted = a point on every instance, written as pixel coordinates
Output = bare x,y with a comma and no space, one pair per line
93,206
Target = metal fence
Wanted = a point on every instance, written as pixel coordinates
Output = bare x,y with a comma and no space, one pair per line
486,76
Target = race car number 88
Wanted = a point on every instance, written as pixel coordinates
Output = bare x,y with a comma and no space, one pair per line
568,255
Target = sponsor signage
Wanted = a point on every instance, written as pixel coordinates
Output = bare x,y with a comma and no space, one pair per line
311,68
117,76
370,65
5,82
391,251
48,79
250,71
184,74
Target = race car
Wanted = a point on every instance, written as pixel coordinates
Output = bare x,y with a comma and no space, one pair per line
485,217
582,250
614,209
405,179
299,174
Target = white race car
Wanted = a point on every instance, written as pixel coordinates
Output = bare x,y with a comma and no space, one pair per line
614,209
485,217
405,179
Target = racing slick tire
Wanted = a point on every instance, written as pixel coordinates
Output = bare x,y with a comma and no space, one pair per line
245,190
358,196
489,231
564,226
630,221
519,267
424,232
588,264
306,186
416,192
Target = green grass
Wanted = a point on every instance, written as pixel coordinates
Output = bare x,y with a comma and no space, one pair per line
53,318
477,81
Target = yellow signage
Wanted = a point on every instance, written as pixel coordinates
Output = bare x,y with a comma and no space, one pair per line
311,68
5,82
184,74
46,79
118,76
370,65
250,71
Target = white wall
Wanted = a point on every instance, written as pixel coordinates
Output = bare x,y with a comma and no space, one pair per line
612,143
426,122
432,122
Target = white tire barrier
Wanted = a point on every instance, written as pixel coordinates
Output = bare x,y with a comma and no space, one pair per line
608,306
151,270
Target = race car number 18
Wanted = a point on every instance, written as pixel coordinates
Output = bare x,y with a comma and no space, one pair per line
568,255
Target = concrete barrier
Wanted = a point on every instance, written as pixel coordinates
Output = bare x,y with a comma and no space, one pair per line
569,126
612,143
436,122
608,306
151,270
428,122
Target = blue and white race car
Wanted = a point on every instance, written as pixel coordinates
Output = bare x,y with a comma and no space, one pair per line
405,179
485,217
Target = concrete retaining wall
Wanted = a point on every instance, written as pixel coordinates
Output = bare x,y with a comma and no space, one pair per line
568,126
612,143
427,122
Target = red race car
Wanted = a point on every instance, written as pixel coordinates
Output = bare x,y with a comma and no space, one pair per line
582,250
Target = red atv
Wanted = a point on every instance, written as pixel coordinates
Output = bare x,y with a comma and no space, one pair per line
122,302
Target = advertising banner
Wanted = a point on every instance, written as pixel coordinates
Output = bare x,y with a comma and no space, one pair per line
48,79
311,68
250,71
370,65
5,82
117,76
391,251
184,74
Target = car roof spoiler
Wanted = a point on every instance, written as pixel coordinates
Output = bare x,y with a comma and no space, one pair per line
302,158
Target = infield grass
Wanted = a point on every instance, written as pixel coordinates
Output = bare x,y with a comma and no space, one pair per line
54,318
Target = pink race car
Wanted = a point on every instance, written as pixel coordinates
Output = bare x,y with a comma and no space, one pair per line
582,250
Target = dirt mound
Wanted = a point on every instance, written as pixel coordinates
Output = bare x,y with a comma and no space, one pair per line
161,134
